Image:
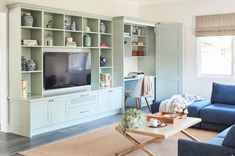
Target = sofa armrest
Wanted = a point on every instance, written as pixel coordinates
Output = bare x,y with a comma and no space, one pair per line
192,148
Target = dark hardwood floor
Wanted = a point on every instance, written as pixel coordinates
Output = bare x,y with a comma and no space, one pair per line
11,144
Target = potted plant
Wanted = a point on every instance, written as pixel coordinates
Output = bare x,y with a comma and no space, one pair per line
132,119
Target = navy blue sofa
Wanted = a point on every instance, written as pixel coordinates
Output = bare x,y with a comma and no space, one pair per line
222,145
216,114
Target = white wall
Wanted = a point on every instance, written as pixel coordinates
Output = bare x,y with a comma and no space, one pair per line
185,12
3,72
101,7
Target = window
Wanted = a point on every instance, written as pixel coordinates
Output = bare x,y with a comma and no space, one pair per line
215,55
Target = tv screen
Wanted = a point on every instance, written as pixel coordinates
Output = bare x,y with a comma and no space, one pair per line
62,69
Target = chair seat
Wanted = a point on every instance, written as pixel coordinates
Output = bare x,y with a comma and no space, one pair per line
129,93
219,114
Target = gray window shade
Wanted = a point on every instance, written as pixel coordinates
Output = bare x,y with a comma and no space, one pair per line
215,25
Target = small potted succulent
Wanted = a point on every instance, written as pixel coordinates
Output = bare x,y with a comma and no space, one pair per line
132,119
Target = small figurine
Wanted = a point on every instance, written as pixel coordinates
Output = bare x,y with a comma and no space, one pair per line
73,26
50,24
86,29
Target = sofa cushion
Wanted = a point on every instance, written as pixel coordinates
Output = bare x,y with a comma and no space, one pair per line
229,139
223,94
195,108
214,126
219,114
216,141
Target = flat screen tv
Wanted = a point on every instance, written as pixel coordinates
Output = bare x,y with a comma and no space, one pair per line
63,69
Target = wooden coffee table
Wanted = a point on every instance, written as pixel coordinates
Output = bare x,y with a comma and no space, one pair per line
158,134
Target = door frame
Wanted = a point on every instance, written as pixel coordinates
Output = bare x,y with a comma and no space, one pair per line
4,73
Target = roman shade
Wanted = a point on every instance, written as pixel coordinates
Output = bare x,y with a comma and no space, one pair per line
215,25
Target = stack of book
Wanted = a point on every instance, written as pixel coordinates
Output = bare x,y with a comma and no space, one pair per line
24,89
105,79
71,44
30,42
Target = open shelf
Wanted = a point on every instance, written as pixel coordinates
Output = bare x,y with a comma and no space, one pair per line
37,17
28,46
141,50
72,31
78,22
94,40
139,45
108,26
32,34
77,37
92,23
107,54
31,72
127,30
57,36
105,71
53,29
108,67
91,32
139,30
34,83
108,34
57,20
28,27
33,54
104,39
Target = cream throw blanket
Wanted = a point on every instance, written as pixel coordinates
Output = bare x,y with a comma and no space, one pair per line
148,86
168,104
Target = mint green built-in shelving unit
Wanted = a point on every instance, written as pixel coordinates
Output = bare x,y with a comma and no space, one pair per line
40,32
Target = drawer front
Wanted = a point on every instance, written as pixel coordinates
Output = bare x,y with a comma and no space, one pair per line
82,99
82,111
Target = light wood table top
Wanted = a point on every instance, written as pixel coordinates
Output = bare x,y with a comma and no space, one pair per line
169,130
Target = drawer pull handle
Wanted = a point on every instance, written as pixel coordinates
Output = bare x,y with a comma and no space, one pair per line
84,95
85,111
110,91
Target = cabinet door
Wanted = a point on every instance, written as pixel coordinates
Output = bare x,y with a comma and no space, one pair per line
169,58
116,100
39,111
58,110
104,101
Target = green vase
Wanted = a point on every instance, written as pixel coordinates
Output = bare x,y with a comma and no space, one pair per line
87,40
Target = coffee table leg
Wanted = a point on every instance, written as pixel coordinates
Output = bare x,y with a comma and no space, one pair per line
137,145
189,135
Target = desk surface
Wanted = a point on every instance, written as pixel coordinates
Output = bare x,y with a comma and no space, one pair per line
133,79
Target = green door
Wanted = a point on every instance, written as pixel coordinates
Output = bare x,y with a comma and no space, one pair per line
169,60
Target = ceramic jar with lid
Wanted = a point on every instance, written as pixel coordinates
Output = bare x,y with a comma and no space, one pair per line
23,63
31,65
87,40
27,20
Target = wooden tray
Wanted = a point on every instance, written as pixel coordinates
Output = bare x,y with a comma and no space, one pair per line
167,117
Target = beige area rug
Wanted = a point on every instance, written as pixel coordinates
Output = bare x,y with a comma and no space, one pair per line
106,142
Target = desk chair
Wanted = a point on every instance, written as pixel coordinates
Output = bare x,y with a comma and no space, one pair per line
137,93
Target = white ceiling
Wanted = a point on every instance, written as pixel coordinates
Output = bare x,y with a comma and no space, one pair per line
146,2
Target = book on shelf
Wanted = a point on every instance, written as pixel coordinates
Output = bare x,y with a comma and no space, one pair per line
105,79
71,44
25,89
